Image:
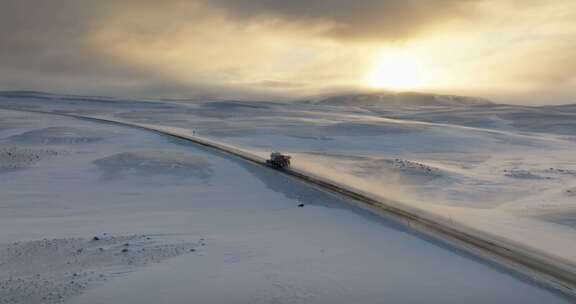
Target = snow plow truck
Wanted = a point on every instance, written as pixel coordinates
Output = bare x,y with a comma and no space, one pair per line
278,160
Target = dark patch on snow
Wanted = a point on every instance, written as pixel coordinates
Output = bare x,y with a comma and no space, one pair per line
523,174
17,158
53,270
61,135
154,162
562,171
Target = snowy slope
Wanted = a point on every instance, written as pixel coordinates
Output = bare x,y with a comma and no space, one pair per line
506,170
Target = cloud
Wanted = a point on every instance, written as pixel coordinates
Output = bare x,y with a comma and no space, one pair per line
280,47
381,20
48,41
127,47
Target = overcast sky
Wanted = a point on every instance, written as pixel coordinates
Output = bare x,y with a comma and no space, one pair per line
510,50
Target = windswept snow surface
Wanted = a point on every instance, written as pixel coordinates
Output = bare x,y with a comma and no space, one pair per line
478,163
504,169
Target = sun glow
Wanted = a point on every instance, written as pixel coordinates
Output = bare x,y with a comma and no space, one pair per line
397,73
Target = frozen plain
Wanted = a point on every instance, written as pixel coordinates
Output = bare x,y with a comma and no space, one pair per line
439,166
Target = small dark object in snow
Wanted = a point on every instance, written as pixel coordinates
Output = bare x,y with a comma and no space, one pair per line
192,250
124,250
126,244
95,238
300,205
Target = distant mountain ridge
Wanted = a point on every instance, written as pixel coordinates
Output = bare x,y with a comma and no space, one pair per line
48,95
392,98
356,98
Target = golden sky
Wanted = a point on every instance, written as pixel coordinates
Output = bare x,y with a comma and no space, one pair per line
510,50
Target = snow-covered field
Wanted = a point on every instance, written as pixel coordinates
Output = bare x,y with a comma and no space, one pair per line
226,231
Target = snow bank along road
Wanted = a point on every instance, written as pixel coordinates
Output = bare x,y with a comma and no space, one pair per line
543,268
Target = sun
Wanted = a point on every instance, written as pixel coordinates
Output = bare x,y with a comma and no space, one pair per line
397,73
